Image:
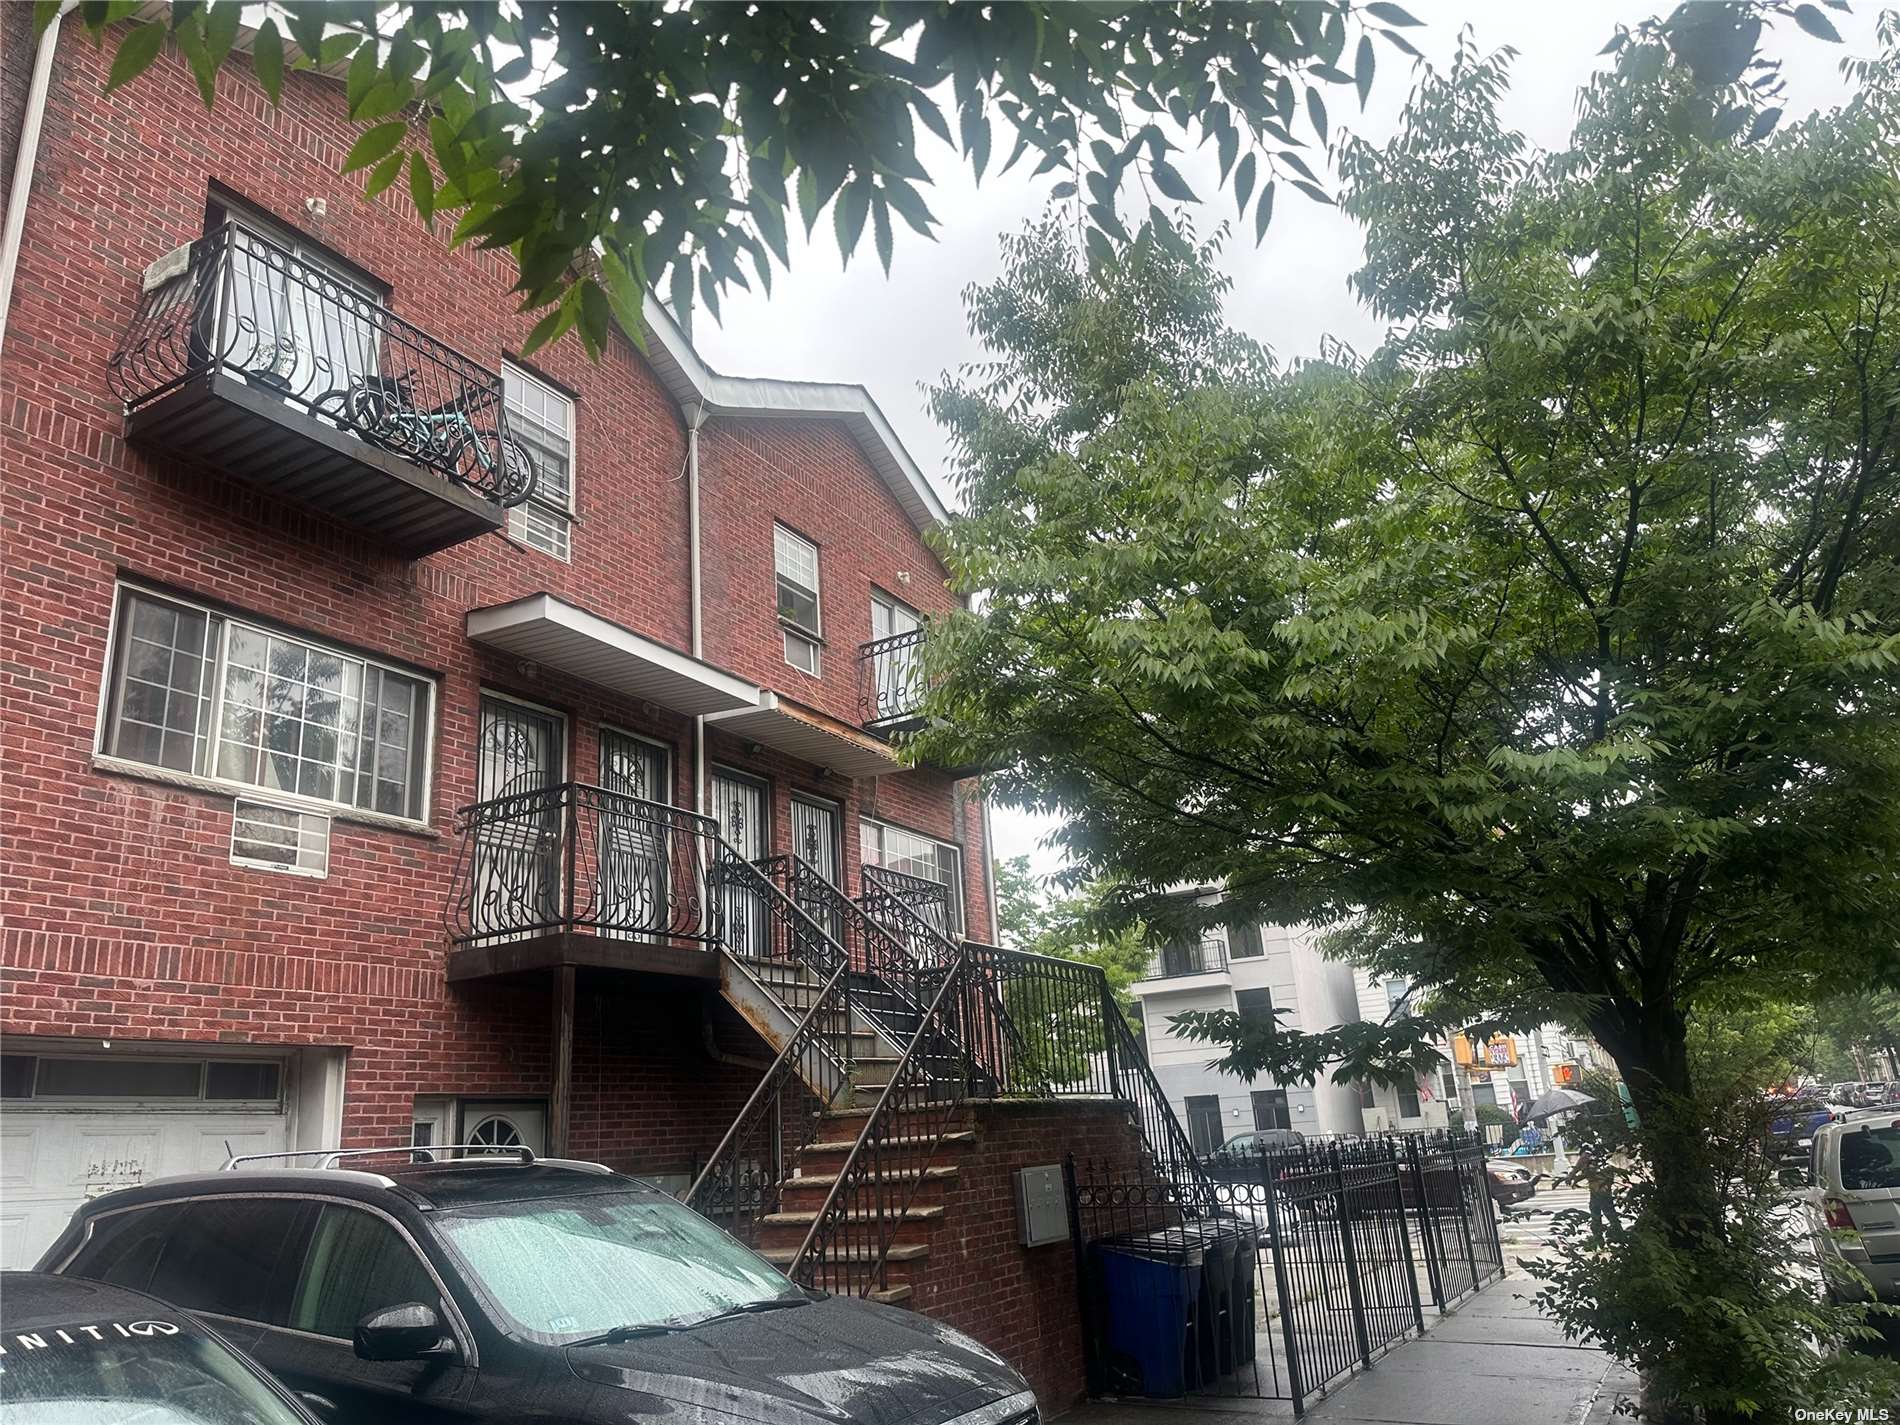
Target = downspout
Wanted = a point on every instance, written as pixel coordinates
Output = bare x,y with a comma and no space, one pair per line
25,160
693,423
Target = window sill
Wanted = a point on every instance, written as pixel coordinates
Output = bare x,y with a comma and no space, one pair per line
801,631
192,782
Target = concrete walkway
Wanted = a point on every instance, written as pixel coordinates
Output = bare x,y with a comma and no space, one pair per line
1494,1358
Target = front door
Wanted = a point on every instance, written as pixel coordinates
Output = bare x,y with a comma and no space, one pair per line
738,803
634,884
516,888
815,841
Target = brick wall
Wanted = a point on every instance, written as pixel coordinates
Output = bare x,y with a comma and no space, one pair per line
123,915
1019,1301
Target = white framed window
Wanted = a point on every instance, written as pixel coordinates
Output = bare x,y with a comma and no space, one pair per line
913,854
542,419
795,561
273,838
197,692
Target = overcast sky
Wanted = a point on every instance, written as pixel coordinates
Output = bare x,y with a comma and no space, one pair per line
827,322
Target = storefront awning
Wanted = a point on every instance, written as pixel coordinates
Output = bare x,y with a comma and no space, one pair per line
556,634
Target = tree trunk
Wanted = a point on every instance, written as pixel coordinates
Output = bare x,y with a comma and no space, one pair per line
1649,1042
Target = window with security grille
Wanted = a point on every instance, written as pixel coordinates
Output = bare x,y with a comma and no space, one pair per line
542,419
194,691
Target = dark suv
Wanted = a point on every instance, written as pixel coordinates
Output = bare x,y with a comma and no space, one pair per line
510,1289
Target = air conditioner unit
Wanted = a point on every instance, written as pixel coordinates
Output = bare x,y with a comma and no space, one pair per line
1376,1120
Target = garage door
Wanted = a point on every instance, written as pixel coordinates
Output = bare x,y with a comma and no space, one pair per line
76,1126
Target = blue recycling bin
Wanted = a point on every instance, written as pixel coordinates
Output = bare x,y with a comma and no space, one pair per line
1150,1285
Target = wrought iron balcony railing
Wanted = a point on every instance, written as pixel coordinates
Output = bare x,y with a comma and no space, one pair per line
890,680
1188,957
578,858
243,307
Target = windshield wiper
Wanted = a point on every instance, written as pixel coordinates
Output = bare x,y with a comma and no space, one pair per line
628,1333
751,1308
666,1328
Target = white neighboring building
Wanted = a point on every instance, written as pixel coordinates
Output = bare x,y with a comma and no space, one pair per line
1250,969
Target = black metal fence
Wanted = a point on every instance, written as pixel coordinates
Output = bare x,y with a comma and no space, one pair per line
890,679
1279,1284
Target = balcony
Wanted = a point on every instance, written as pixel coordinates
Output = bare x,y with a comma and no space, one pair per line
577,875
251,359
1181,959
890,683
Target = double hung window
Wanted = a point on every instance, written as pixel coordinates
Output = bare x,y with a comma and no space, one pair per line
795,562
542,419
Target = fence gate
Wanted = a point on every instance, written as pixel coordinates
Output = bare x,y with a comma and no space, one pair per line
1283,1275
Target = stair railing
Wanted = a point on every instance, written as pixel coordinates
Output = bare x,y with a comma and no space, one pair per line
888,1164
779,928
743,1182
1167,1142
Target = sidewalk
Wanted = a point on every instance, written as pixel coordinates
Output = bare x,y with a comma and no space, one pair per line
1494,1357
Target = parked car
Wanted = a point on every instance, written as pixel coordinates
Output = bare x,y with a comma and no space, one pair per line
508,1289
1238,1159
1856,1189
85,1353
1792,1126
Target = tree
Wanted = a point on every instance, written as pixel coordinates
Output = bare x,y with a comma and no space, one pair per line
613,147
1554,644
617,147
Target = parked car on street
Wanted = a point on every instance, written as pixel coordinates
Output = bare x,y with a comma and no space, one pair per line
1856,1189
85,1353
1793,1122
1238,1159
509,1288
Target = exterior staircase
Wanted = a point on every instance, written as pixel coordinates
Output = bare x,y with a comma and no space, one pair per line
844,1163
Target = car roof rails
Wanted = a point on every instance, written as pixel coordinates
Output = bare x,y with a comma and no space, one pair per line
418,1153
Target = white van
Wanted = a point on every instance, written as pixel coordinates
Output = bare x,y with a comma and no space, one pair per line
1856,1189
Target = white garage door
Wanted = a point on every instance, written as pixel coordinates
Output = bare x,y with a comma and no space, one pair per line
78,1125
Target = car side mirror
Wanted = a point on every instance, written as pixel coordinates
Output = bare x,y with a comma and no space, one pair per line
408,1332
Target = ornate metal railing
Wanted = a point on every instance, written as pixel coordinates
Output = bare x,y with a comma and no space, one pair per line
742,1183
909,905
243,306
891,678
573,857
761,922
1188,957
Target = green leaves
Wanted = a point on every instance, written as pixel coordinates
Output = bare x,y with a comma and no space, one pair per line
137,49
689,131
374,144
1810,18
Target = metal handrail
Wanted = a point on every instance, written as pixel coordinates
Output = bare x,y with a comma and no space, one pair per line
885,1154
764,1115
247,307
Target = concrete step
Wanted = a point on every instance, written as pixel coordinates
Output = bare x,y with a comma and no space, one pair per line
807,1192
853,1256
805,1219
891,1295
828,1147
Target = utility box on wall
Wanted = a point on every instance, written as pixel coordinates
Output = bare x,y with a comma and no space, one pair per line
1042,1206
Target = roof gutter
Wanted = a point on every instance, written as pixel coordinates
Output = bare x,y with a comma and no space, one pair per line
26,159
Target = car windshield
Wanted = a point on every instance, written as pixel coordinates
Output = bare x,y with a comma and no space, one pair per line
154,1374
564,1268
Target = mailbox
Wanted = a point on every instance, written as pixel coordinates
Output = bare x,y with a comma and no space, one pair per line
1042,1206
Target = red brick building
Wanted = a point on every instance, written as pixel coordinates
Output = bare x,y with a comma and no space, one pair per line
271,624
